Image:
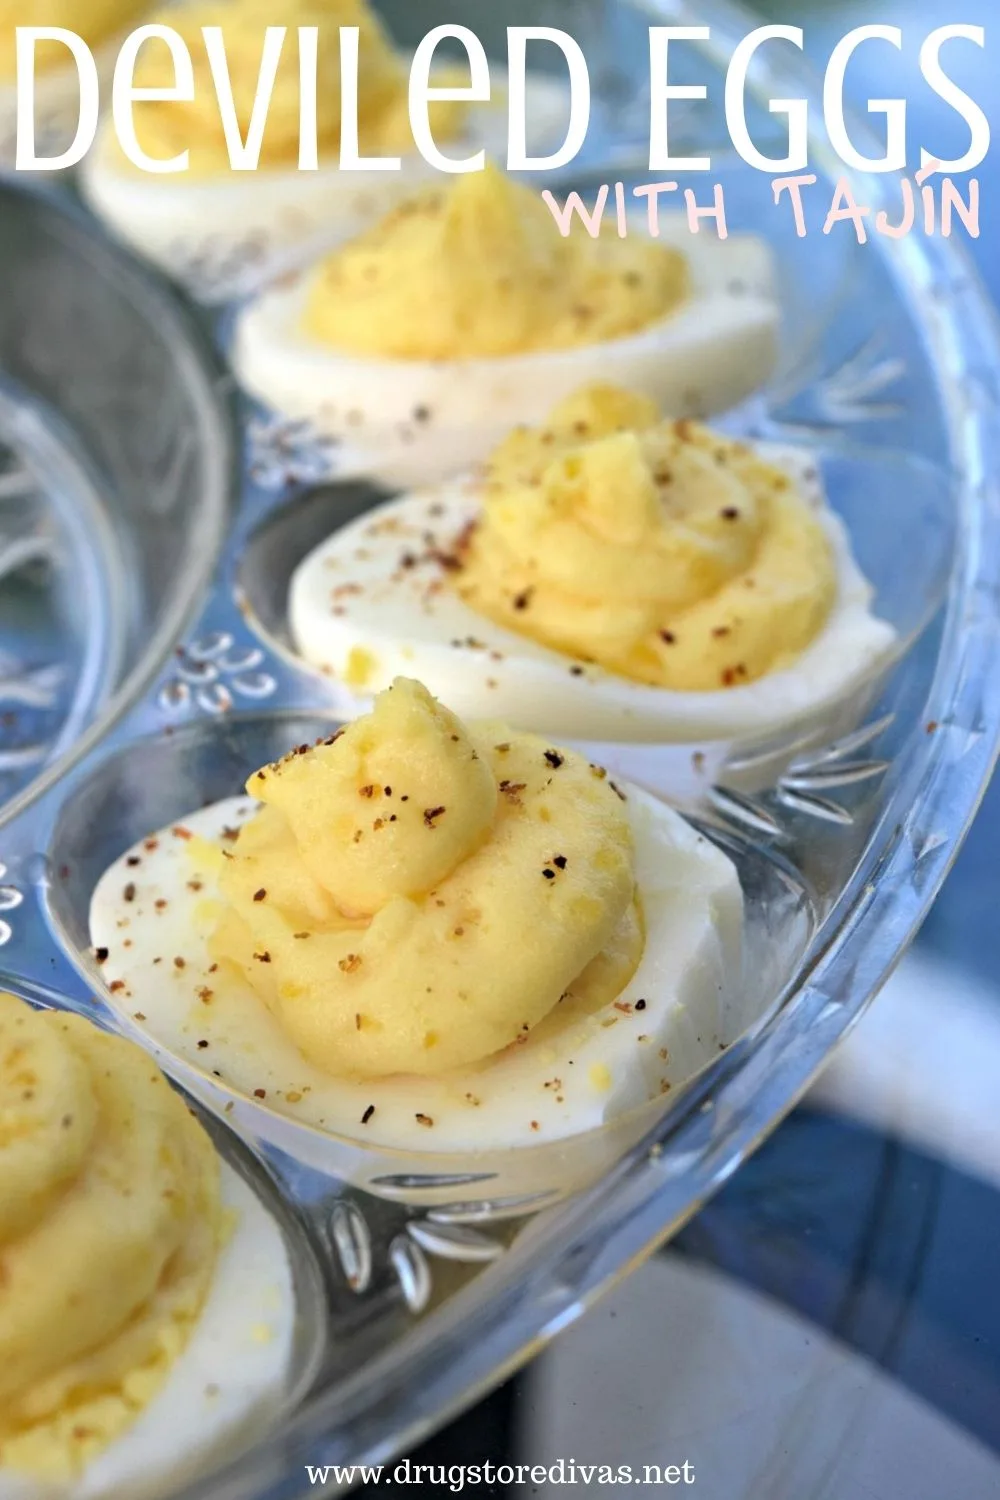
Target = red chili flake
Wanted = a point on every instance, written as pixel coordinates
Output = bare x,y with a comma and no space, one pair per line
720,630
195,885
366,791
931,726
101,954
728,676
668,637
180,963
128,894
424,1119
116,985
535,1125
350,963
180,832
151,844
367,1114
160,904
431,814
260,895
205,995
260,1093
624,1007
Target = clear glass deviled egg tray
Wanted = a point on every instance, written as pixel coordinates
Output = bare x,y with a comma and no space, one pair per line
150,520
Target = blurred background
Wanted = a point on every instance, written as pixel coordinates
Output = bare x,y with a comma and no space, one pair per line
828,1328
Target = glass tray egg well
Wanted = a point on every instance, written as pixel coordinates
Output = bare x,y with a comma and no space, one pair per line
116,481
424,1279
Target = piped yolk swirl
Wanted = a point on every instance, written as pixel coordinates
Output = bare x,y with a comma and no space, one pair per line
662,551
110,1225
480,270
414,896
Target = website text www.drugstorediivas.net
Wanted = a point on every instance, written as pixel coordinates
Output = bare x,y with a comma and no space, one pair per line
454,1478
244,145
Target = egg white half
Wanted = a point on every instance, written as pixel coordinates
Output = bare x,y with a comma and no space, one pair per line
226,235
546,1090
417,421
229,1383
379,586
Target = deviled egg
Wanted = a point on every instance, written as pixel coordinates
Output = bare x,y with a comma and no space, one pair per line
226,229
427,936
612,577
101,24
467,312
146,1307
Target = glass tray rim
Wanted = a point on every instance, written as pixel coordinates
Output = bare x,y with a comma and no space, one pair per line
573,1252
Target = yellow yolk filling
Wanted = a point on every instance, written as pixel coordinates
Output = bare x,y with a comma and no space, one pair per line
481,270
414,896
110,1224
166,128
661,551
96,21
